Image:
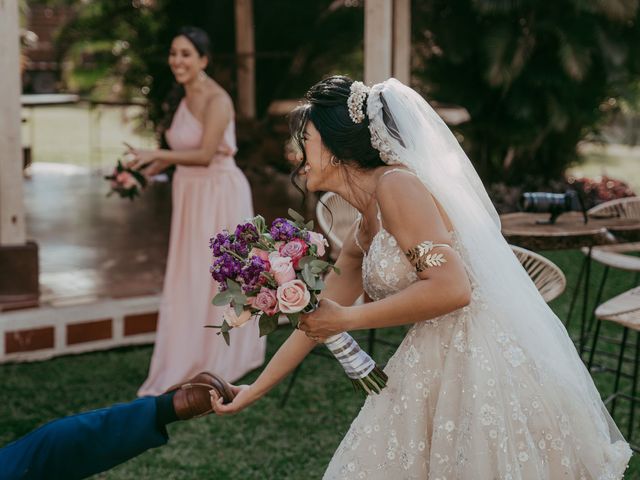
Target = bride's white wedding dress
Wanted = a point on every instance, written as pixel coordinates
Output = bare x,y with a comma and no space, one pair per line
464,401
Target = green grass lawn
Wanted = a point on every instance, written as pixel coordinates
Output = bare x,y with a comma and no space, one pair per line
263,442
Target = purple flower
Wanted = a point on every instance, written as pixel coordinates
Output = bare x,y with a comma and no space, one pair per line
247,233
283,229
219,243
240,247
251,273
225,267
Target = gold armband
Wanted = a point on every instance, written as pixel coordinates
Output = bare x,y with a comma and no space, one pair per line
421,257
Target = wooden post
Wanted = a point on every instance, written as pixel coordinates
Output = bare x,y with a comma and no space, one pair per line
12,227
378,37
245,51
402,40
18,259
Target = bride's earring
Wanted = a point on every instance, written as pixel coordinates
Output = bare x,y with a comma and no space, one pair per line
202,76
335,162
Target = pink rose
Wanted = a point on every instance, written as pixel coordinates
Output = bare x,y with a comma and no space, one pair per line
281,268
293,296
126,180
319,241
295,249
266,301
234,320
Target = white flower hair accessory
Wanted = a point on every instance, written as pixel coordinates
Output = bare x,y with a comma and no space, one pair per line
359,92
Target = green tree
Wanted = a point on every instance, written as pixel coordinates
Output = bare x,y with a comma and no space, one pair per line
537,77
118,49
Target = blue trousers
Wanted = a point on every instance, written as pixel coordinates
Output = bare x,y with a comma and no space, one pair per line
85,444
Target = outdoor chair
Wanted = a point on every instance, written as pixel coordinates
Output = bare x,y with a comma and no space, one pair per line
623,310
335,217
546,275
610,256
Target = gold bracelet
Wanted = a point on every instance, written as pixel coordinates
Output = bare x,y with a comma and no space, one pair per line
421,258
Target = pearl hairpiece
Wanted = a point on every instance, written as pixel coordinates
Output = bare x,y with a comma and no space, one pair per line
359,92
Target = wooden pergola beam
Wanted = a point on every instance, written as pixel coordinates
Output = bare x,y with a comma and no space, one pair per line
245,53
18,258
387,40
12,226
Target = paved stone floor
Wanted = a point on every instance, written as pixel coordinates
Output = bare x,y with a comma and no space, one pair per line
91,246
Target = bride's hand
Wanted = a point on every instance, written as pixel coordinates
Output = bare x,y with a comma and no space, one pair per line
326,320
243,397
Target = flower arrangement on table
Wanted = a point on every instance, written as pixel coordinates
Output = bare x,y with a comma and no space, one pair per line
267,271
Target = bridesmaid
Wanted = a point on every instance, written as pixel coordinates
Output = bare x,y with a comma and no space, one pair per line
210,193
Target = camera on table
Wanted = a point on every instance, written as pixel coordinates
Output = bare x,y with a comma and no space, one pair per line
553,203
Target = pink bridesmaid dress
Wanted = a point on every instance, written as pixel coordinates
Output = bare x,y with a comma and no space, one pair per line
206,200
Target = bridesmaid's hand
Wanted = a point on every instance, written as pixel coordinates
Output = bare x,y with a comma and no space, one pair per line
326,320
243,397
154,168
141,158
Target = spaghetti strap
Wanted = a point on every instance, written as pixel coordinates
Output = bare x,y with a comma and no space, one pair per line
398,170
355,235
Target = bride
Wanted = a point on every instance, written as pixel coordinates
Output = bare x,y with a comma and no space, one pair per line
487,383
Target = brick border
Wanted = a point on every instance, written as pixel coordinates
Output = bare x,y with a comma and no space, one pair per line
46,332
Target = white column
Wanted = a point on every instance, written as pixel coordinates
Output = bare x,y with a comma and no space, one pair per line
402,40
12,227
378,39
245,50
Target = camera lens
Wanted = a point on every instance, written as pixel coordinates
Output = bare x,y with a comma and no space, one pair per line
543,202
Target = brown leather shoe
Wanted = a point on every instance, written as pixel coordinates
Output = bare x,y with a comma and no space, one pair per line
192,399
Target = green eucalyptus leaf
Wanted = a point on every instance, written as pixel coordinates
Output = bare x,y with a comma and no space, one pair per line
233,287
308,277
222,298
296,216
294,319
227,338
305,261
268,324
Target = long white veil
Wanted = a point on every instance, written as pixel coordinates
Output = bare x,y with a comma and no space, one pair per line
407,131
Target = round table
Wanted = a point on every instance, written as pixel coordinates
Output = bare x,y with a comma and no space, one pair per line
569,232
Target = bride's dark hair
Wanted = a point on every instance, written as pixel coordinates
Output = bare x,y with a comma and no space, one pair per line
326,106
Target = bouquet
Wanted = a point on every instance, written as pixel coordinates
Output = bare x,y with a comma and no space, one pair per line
126,182
264,272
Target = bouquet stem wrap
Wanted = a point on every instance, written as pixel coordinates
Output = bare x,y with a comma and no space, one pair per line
357,364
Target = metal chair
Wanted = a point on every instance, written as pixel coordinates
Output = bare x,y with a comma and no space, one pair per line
610,256
623,310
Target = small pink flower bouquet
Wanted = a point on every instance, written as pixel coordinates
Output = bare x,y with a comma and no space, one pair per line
264,272
126,182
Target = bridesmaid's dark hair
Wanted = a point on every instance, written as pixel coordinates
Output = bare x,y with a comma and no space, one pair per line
200,41
326,106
